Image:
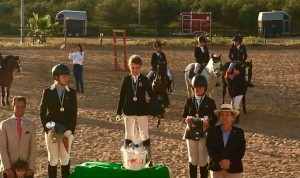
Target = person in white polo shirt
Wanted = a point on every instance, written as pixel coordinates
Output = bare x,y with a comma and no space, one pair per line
77,57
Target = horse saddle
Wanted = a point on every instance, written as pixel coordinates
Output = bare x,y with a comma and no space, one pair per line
191,71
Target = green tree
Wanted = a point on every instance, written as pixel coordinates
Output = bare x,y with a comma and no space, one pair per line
117,13
248,18
160,13
41,27
292,7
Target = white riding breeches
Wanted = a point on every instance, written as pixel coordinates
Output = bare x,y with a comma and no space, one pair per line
57,150
231,66
142,122
197,152
235,102
197,67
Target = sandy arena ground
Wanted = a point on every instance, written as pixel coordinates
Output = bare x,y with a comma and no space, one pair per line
271,125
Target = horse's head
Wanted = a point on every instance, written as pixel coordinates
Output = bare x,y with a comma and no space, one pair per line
246,64
18,67
216,64
161,68
12,63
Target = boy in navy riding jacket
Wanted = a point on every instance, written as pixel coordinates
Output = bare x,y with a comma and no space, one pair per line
59,105
133,103
199,115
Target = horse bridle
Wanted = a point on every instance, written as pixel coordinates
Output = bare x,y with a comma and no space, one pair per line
214,61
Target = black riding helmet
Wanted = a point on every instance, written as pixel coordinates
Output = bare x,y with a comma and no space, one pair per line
199,81
60,69
156,44
202,39
238,38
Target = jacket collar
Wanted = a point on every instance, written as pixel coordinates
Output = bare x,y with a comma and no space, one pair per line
54,85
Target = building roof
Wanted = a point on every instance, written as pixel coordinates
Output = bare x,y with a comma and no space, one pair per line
69,14
274,15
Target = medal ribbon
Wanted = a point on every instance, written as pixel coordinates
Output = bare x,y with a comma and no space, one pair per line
198,105
134,86
61,99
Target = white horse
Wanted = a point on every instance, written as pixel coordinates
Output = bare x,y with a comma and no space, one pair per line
212,72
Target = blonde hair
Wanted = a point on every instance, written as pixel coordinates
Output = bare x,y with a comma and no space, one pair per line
135,59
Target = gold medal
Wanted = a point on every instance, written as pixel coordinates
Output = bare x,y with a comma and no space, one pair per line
197,115
134,98
62,109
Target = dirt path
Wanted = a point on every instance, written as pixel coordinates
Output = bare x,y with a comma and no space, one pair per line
271,125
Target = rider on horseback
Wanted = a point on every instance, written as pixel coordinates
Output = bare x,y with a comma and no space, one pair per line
202,56
237,88
237,54
159,57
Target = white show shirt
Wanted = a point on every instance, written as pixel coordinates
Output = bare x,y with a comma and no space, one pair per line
77,57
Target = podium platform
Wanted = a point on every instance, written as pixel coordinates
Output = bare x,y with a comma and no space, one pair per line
115,170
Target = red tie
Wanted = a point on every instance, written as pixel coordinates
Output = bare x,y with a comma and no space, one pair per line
19,128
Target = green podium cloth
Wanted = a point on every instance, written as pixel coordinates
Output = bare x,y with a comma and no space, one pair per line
115,170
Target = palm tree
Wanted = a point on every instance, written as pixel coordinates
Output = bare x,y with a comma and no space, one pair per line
41,27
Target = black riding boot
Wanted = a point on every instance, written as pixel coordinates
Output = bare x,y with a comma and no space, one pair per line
147,146
193,171
204,171
52,171
127,143
65,170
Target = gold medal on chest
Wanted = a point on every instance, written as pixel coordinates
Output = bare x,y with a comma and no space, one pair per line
134,98
62,109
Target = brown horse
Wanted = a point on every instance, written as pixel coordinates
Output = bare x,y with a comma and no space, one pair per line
159,85
246,65
9,64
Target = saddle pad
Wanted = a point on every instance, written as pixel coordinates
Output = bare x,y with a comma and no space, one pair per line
115,170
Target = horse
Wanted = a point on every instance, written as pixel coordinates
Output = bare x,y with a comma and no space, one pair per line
212,73
247,71
9,64
160,85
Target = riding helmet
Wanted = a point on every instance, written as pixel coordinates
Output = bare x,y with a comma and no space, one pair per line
60,69
199,81
202,39
238,38
156,44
